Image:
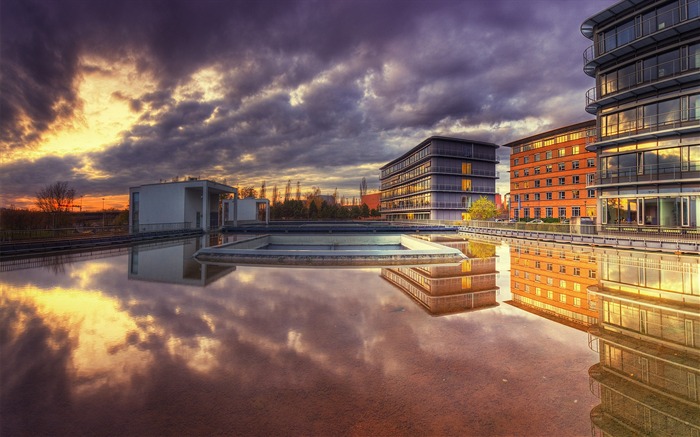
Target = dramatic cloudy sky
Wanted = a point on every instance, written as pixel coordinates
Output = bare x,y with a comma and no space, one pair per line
112,94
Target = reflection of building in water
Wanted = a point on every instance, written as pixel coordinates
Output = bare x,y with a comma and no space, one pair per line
648,340
552,282
174,263
454,288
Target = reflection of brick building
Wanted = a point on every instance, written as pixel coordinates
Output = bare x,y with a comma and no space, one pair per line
549,171
448,289
648,340
553,282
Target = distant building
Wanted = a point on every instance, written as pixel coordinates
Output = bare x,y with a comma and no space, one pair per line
177,205
246,210
645,58
438,179
372,200
549,173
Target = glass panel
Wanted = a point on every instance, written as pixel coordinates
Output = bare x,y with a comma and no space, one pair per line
627,164
650,162
669,212
667,16
651,211
668,64
625,33
627,120
669,112
669,160
650,115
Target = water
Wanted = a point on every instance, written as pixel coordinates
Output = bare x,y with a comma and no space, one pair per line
145,341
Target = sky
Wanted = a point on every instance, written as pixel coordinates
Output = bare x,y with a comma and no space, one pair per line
107,95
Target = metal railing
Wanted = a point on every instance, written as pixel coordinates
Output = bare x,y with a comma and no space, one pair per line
657,73
656,172
15,236
640,29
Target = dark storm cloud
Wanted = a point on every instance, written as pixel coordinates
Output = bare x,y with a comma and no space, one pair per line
368,76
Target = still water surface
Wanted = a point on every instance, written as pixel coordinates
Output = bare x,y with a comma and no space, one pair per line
146,341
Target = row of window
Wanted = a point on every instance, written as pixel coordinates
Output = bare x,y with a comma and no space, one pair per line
415,157
652,21
559,312
561,195
549,253
550,154
536,212
653,211
571,136
651,162
549,168
651,117
650,69
421,200
549,182
561,283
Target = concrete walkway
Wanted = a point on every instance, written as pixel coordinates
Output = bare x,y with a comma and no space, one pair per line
657,243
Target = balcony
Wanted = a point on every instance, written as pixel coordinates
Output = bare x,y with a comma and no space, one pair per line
646,174
442,188
666,124
656,78
441,170
646,33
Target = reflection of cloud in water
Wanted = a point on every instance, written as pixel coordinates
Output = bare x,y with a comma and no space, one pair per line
265,350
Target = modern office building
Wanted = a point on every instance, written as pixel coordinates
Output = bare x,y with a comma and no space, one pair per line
438,179
549,172
648,341
645,59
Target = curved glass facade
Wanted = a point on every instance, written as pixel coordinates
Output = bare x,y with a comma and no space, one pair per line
646,60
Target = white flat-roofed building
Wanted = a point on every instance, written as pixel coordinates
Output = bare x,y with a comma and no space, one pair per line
189,204
246,210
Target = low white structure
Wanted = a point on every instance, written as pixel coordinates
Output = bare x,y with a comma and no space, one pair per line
186,204
247,210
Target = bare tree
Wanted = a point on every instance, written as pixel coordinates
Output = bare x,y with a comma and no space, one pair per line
55,197
247,192
363,187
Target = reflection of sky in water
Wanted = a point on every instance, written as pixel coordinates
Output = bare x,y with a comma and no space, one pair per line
269,351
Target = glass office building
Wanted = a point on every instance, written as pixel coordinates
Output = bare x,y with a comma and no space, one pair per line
645,59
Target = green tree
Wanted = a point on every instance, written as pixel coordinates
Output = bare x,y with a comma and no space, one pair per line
482,209
247,192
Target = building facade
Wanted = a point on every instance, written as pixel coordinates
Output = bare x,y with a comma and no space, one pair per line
645,59
438,179
549,173
185,204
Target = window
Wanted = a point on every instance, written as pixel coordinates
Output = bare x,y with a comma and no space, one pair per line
577,271
562,211
548,210
575,211
562,195
574,150
516,161
537,183
537,196
537,157
526,160
537,170
577,302
590,178
562,269
548,155
575,179
548,168
550,267
550,294
527,197
562,283
591,194
548,197
575,194
590,162
548,182
516,173
577,286
562,181
562,298
562,166
561,152
526,172
574,165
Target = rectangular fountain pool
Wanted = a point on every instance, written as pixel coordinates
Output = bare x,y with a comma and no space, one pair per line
331,250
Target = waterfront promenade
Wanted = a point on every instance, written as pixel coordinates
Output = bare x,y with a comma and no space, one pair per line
673,241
